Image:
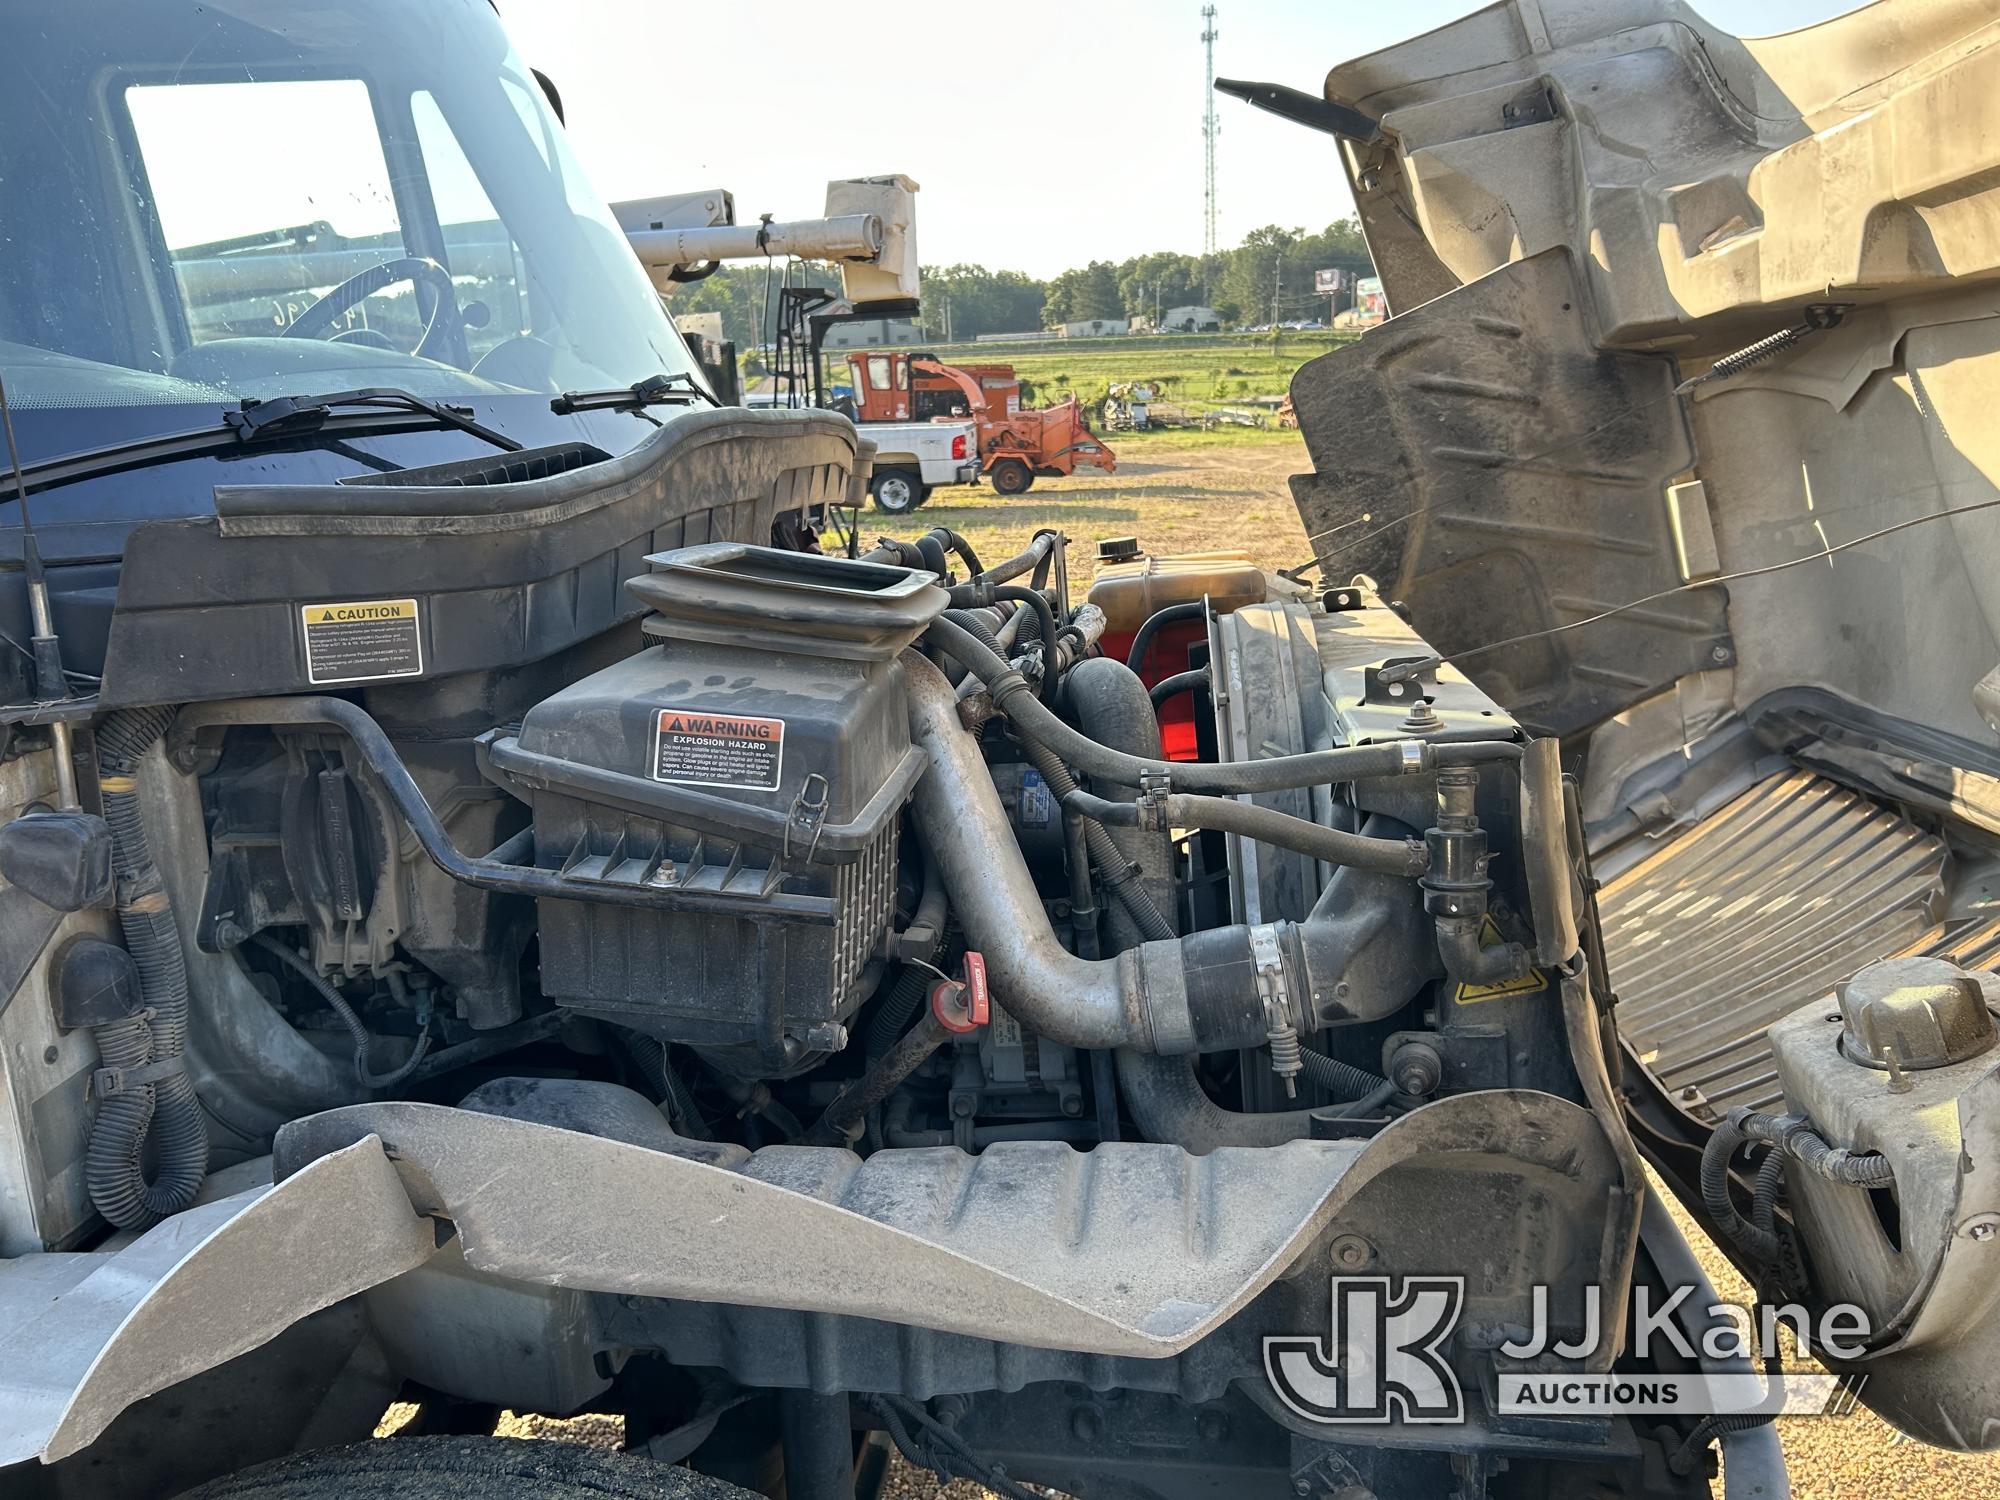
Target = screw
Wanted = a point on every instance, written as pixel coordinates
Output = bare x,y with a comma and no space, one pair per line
1719,653
50,1054
1351,1252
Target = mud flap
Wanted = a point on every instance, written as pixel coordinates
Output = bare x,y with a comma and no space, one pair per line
1489,466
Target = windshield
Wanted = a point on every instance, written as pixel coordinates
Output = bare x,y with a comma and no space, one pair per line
201,202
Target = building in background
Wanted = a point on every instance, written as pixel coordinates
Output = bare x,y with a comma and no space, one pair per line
1095,328
1191,319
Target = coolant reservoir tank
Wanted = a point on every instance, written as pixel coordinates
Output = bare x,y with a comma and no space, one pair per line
1129,591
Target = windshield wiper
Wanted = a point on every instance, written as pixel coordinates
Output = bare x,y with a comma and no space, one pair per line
288,416
281,418
655,390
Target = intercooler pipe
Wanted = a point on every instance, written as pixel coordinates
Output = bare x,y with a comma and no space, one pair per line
163,1107
1033,720
1110,705
1198,993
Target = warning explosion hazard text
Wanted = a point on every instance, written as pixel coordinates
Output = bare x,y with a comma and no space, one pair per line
699,748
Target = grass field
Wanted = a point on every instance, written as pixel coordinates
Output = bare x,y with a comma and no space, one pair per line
1192,369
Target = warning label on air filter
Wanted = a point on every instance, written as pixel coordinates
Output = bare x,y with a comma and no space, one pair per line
699,748
362,640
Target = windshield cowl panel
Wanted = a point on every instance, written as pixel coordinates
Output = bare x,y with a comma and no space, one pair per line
207,203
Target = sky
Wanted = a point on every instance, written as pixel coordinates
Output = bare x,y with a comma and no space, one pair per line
1043,135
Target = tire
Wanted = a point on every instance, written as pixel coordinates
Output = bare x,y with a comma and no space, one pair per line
897,491
465,1468
1011,477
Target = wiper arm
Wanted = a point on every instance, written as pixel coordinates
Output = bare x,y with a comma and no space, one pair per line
287,416
343,412
655,390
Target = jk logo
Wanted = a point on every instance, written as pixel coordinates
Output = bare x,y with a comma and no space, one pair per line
1380,1362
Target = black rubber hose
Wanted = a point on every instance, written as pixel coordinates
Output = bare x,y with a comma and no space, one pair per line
1760,1244
1105,856
166,1112
1023,562
1034,720
1167,1102
1266,825
1344,1081
1795,1136
932,552
1142,638
1180,682
362,1037
961,546
1770,1186
1046,618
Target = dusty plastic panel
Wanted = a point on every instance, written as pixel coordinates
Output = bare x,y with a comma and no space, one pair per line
760,754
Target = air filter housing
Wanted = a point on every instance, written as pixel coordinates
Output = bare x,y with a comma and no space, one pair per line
750,768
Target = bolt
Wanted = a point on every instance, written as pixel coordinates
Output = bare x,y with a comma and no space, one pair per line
1351,1252
1981,1231
962,1106
1719,653
1981,1227
50,1054
1072,1105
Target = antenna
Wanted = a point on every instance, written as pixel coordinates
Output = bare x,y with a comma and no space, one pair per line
50,684
1209,128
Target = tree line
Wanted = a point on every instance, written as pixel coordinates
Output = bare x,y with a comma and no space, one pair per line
1269,277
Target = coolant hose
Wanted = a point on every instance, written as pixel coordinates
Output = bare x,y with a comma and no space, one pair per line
1142,638
1180,682
1266,825
164,1111
1105,856
1034,720
1168,1103
1037,551
1046,619
956,543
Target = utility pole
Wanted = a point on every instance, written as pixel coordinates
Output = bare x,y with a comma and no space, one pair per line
1209,128
1277,288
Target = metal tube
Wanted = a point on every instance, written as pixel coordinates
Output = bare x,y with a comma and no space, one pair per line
1081,1002
847,237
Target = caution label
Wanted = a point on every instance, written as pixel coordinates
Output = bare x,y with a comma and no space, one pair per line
362,640
698,748
1527,984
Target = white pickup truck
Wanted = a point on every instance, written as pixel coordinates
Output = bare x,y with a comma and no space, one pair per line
913,458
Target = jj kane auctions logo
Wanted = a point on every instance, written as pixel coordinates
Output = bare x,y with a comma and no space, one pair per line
1383,1358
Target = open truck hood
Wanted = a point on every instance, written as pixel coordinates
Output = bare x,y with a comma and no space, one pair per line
1757,596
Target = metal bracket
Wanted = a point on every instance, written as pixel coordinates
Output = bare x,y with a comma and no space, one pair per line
808,814
1400,680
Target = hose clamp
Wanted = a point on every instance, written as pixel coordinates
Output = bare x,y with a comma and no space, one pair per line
1413,755
1268,955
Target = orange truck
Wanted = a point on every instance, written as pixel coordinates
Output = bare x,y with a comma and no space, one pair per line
1017,443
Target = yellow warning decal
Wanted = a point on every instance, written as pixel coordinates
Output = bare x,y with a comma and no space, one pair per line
362,640
1527,984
